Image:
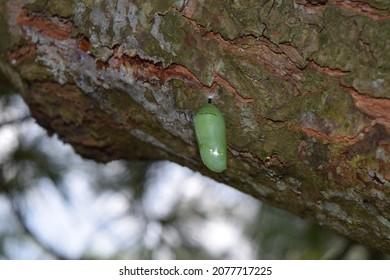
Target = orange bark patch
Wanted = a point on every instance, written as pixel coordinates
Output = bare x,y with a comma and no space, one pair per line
84,45
329,139
362,8
23,52
379,108
52,27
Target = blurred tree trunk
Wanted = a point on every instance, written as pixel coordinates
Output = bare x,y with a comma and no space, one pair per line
304,87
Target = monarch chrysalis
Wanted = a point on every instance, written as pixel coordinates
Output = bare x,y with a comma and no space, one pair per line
210,133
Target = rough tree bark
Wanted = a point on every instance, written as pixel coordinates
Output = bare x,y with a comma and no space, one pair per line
304,86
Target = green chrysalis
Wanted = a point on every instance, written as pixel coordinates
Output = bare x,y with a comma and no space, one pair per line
210,131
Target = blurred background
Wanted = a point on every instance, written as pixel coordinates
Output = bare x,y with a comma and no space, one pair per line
56,205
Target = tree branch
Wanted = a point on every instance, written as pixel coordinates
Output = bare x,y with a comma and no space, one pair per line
16,121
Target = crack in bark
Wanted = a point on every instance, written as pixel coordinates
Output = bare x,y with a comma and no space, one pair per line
378,108
218,80
333,72
365,45
310,8
155,74
362,8
311,3
374,176
274,160
271,8
185,3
